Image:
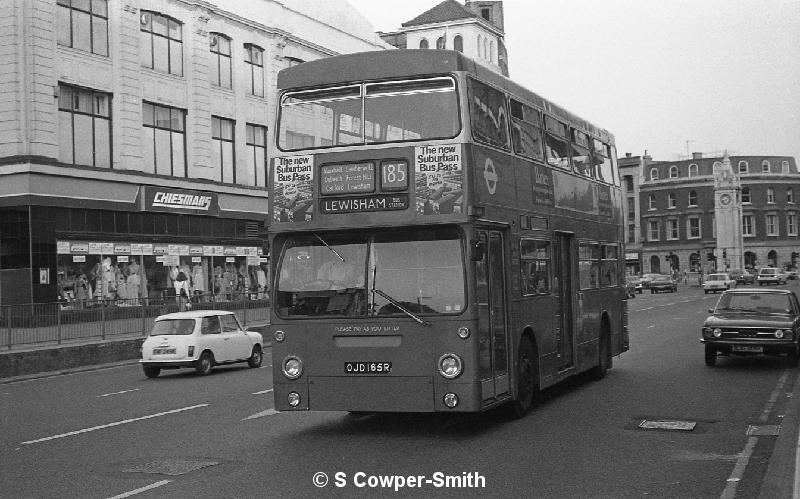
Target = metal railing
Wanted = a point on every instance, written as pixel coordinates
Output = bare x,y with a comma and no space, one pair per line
34,324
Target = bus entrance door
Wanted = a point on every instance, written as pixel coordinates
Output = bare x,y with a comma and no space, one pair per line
492,320
564,288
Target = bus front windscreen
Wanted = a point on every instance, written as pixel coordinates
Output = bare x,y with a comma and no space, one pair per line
399,273
393,111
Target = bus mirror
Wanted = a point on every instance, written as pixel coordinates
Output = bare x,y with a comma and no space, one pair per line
476,253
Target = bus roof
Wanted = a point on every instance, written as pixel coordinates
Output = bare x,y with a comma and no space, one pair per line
389,64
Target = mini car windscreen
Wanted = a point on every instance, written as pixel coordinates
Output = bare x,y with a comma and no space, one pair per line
182,327
756,302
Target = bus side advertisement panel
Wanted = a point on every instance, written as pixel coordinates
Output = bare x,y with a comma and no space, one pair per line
439,179
293,188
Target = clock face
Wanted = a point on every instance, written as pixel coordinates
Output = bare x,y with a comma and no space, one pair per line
725,199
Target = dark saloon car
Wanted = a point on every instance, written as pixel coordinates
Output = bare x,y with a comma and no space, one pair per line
663,283
742,276
751,321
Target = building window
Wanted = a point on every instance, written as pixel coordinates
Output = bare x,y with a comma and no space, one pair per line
790,195
791,224
631,202
693,170
765,166
784,167
164,139
254,57
651,202
745,194
423,44
770,195
83,25
441,43
673,171
629,183
256,156
653,230
692,198
632,233
458,43
491,51
671,200
222,148
747,225
694,227
672,229
743,168
485,48
772,225
654,174
84,126
161,46
220,71
480,46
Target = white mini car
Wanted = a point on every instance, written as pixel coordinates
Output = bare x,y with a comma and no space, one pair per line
771,275
718,282
200,340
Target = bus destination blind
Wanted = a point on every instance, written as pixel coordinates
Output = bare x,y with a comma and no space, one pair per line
349,178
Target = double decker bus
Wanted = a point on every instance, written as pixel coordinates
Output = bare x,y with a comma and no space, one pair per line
441,238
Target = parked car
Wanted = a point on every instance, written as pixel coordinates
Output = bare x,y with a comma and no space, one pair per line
742,276
200,340
771,275
751,321
663,283
634,285
718,282
646,279
791,274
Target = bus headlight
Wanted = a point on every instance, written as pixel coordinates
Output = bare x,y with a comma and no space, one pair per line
450,365
293,399
450,400
292,367
279,335
463,332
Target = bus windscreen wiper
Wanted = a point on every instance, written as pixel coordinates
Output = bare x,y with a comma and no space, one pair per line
400,307
329,247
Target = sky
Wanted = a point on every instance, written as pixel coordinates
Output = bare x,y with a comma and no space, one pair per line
666,77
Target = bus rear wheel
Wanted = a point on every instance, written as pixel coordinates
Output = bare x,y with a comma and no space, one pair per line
527,379
604,361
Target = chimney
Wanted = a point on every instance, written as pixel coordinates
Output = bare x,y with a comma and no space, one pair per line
697,155
628,155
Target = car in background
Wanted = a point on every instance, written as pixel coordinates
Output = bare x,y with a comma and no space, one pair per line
751,321
634,285
791,274
663,283
646,279
718,281
199,339
742,276
771,275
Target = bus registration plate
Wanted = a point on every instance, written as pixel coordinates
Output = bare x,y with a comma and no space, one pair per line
367,367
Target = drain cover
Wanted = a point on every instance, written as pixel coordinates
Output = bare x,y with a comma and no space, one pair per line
769,430
171,467
667,425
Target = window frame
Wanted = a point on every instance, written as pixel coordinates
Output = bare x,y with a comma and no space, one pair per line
91,32
653,174
692,198
219,121
251,50
147,27
218,56
73,109
673,171
179,112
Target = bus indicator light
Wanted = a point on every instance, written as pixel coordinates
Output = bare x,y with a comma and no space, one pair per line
450,400
279,336
293,399
463,332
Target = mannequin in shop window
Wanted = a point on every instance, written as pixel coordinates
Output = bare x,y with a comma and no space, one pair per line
109,281
198,280
220,284
133,283
96,281
122,286
229,277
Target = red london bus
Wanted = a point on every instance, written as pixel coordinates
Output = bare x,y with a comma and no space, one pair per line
441,238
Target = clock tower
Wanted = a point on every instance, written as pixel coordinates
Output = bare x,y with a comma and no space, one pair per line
728,216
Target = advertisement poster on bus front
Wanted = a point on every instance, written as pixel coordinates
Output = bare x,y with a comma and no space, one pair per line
439,179
293,189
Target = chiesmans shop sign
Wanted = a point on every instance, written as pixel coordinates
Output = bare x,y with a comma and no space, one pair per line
178,200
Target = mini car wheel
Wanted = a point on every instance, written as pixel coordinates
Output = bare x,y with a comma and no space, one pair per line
711,356
151,372
204,364
256,357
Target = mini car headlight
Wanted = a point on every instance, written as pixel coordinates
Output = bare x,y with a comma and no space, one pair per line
463,332
450,400
450,365
717,332
293,399
783,333
292,367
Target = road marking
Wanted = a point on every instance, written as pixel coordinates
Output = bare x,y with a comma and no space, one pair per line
116,423
117,393
268,412
744,457
262,392
143,489
651,326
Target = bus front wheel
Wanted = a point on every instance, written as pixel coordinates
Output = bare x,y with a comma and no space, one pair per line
527,379
604,361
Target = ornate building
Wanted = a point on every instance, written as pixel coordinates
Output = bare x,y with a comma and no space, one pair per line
711,213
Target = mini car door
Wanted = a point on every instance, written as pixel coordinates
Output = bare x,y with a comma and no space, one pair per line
237,343
211,338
